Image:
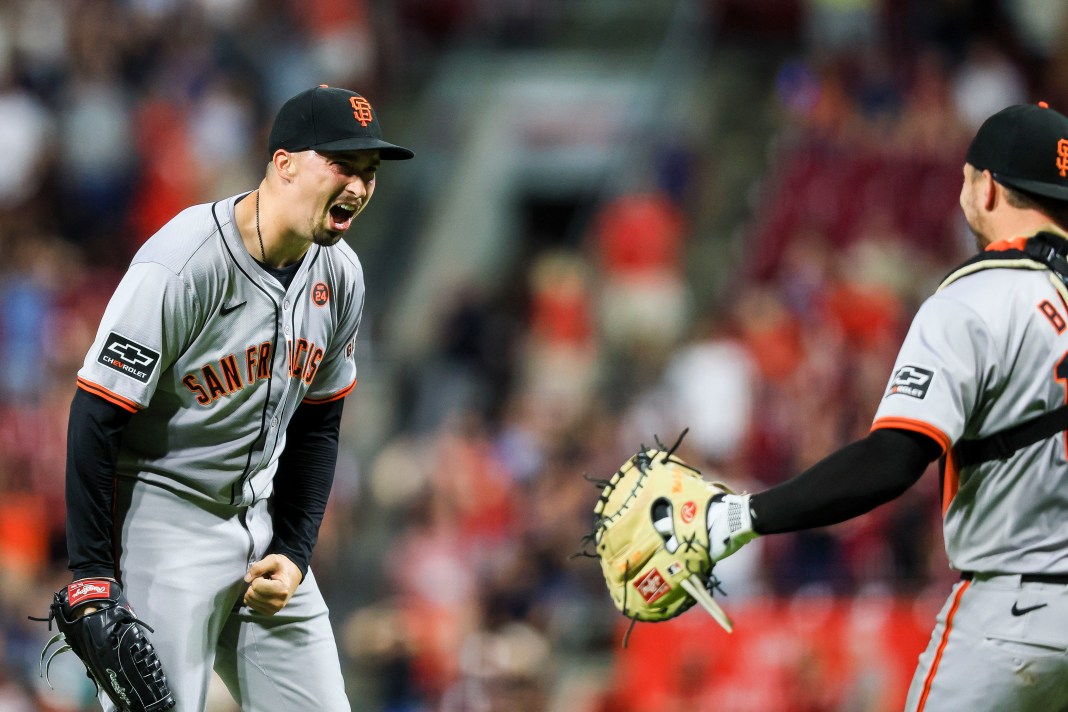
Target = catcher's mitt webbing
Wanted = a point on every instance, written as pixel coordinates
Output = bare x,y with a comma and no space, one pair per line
651,536
111,642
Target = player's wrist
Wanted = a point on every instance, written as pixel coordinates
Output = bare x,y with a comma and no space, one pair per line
292,559
93,571
293,565
730,525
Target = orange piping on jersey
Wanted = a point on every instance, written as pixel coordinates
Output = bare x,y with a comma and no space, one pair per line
950,481
929,680
98,390
1016,243
337,396
916,426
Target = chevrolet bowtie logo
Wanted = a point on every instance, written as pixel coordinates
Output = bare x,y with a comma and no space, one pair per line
131,354
128,357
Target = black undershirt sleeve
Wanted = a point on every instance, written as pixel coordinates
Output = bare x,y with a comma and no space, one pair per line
302,483
94,432
847,483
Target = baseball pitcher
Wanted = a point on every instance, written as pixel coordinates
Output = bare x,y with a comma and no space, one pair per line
204,432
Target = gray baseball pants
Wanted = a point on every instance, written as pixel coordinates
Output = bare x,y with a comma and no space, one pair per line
183,561
999,644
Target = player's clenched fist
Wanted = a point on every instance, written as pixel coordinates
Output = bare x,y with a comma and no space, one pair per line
272,582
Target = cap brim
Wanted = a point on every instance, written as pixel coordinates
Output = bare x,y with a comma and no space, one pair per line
386,151
1046,190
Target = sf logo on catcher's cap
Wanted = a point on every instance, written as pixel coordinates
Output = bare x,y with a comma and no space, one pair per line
910,381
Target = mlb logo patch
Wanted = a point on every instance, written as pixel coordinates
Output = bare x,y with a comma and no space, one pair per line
652,586
674,569
910,381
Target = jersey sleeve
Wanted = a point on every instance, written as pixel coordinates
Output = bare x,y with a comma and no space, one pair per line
943,365
335,376
144,328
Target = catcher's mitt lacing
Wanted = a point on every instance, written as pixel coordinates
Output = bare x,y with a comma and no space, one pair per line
140,659
644,461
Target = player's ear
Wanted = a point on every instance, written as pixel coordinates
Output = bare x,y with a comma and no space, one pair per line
284,164
988,190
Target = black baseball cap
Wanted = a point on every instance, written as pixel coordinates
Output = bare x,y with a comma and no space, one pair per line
331,119
1025,147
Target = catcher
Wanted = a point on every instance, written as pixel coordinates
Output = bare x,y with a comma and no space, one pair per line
981,382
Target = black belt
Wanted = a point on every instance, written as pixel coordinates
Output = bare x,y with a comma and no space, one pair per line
1061,579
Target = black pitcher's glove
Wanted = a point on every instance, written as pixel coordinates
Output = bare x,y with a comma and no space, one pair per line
112,644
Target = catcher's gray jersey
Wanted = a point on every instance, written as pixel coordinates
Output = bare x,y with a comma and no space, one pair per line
213,354
987,352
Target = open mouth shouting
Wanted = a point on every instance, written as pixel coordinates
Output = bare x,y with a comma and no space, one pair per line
342,214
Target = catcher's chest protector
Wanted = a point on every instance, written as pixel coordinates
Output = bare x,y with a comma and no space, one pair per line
1044,251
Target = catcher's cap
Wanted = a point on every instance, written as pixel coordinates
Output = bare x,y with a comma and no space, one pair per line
1025,147
331,119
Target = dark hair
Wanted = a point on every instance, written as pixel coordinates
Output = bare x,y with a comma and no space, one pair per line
1055,210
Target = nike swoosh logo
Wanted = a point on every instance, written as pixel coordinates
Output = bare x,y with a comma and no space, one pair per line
226,309
1020,611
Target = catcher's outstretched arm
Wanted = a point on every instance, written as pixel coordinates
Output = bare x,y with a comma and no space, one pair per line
847,483
660,528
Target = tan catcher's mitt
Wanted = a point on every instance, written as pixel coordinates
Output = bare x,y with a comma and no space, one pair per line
651,531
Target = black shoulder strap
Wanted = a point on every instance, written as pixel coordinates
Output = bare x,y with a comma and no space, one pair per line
1052,251
1042,250
1002,444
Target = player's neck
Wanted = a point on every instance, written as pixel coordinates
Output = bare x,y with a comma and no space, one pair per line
1019,223
258,229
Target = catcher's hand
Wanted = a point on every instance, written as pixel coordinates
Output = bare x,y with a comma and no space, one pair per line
651,530
96,621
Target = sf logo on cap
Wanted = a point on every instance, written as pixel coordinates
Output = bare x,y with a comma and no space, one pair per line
361,109
1062,157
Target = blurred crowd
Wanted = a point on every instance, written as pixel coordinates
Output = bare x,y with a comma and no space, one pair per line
447,554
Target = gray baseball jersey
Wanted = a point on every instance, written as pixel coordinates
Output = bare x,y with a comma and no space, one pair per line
214,355
987,352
